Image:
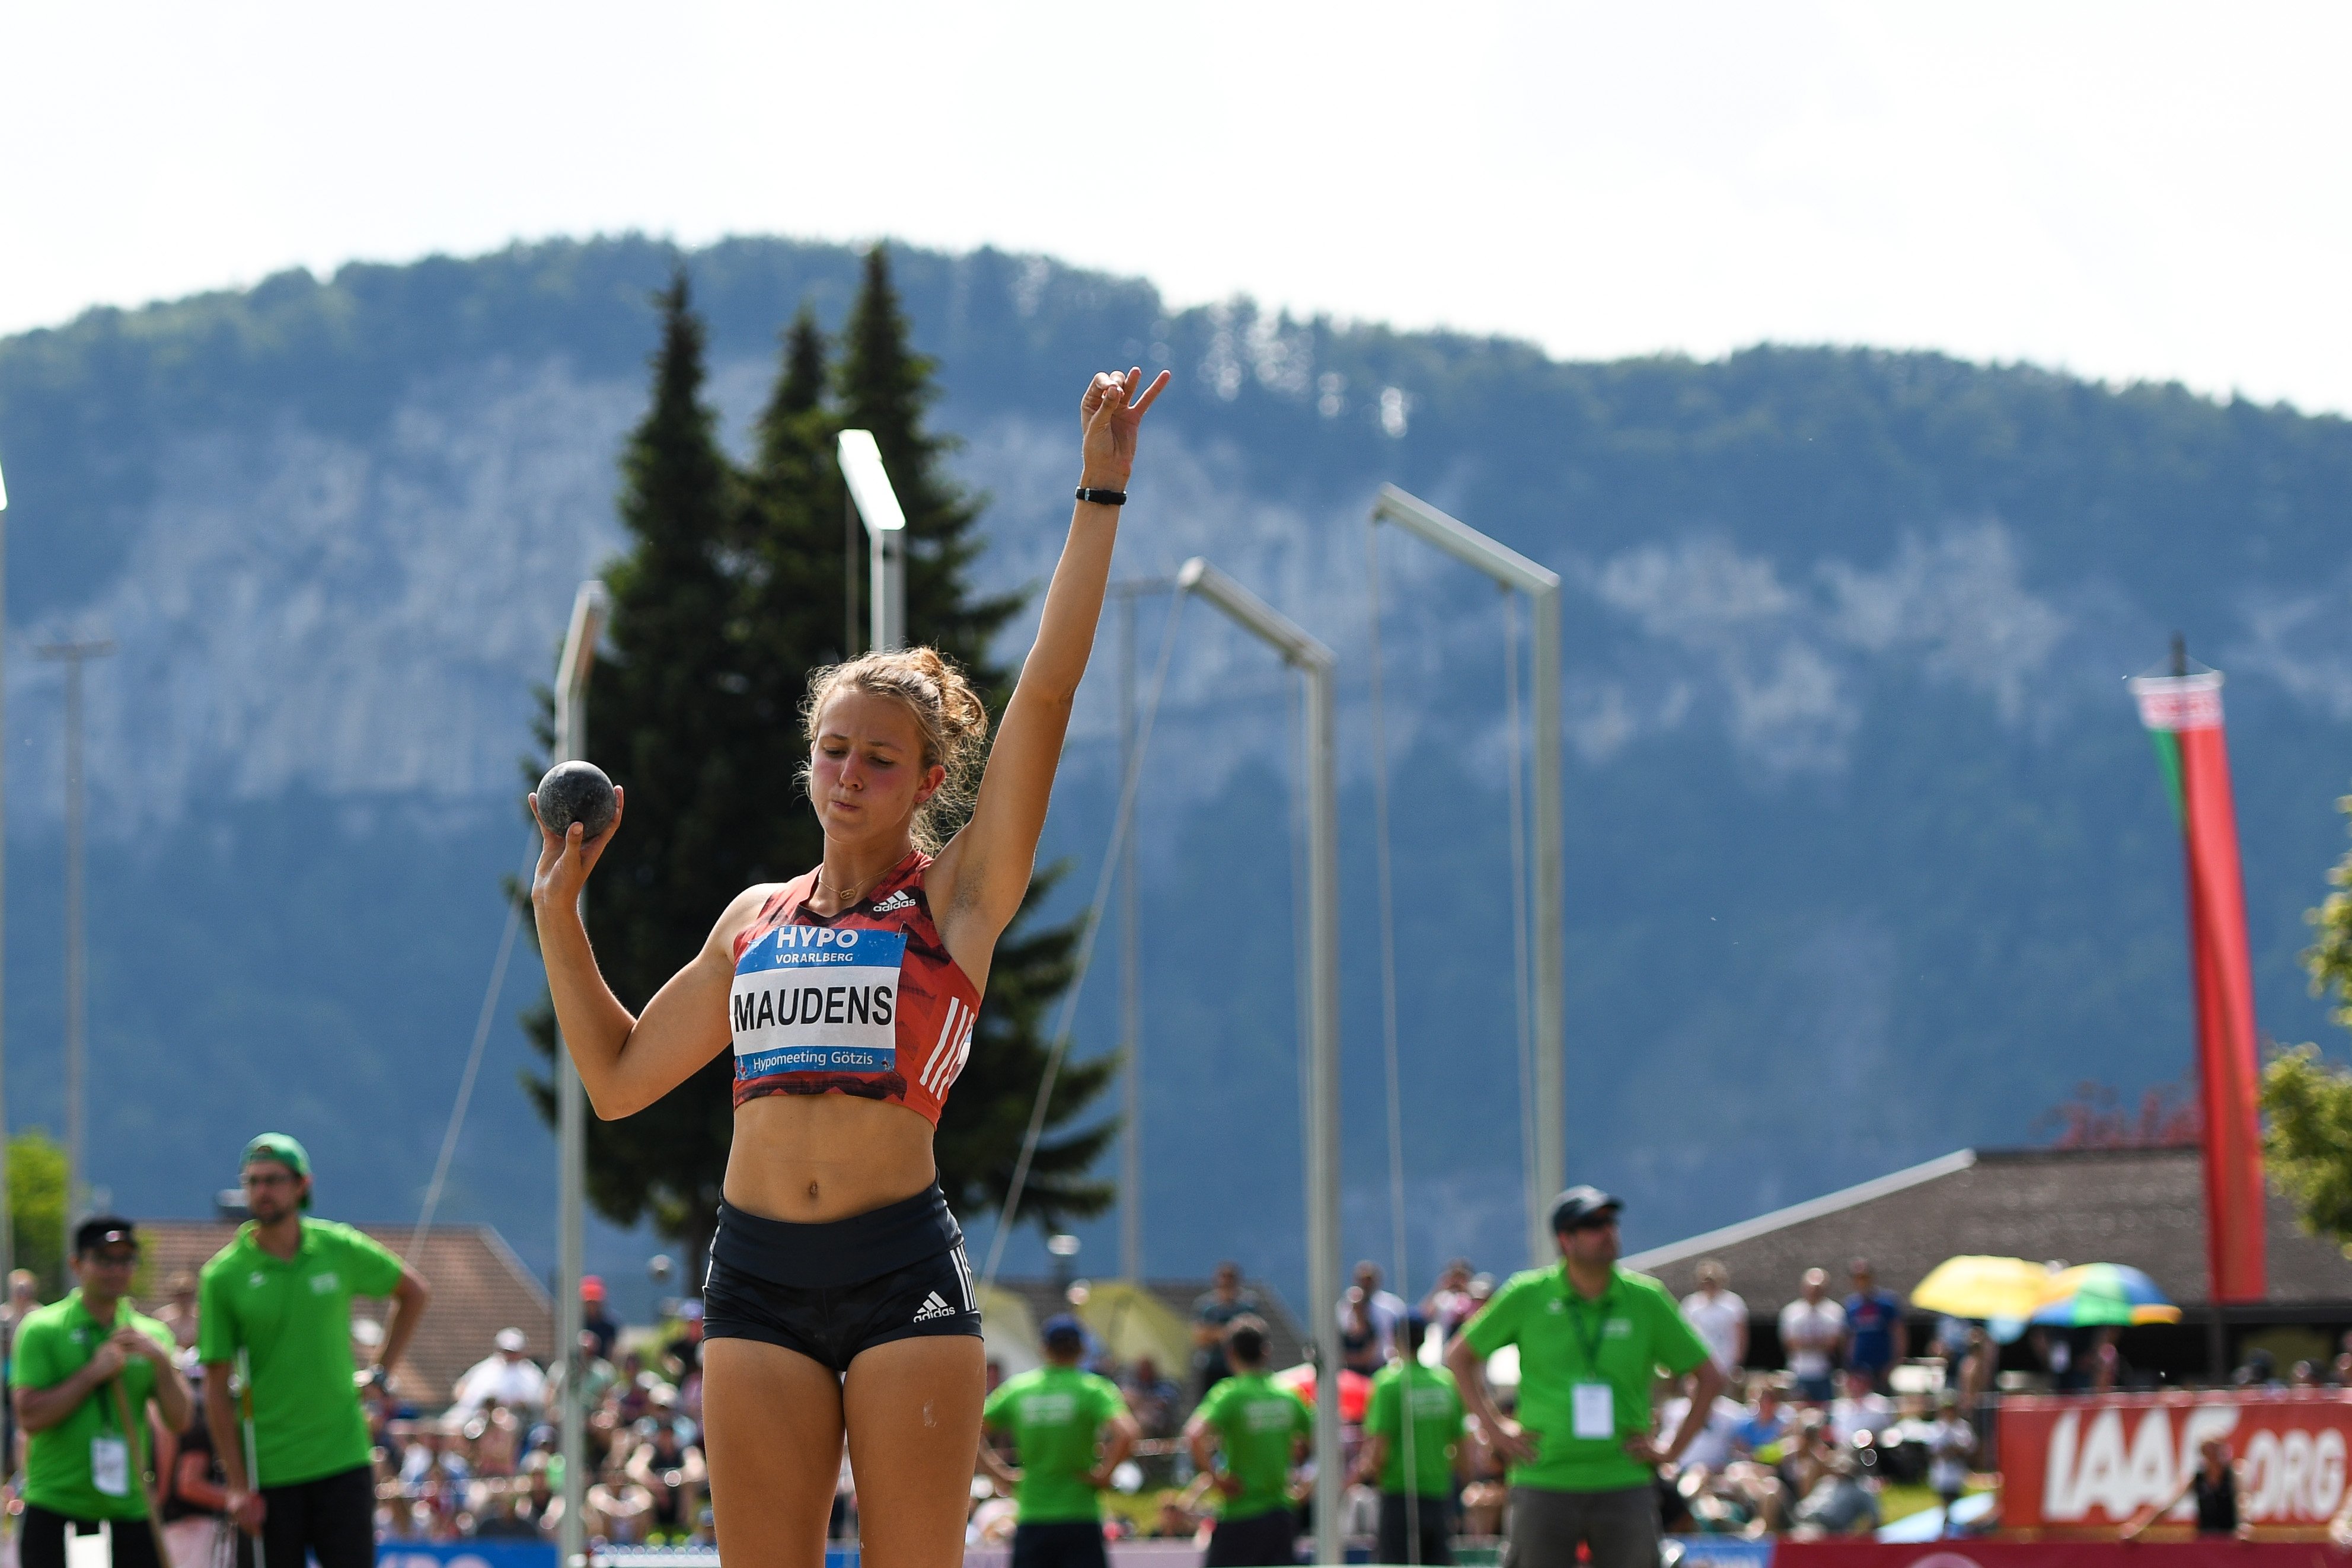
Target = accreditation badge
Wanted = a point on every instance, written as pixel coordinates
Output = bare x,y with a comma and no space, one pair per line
1594,1410
813,999
109,1465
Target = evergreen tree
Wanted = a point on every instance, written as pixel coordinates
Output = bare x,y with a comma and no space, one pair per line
886,388
667,715
729,596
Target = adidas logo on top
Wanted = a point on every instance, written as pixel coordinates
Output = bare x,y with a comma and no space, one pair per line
901,899
933,1307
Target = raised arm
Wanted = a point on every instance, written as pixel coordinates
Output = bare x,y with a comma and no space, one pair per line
627,1062
983,873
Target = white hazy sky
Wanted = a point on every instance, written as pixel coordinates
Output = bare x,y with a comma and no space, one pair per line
2126,191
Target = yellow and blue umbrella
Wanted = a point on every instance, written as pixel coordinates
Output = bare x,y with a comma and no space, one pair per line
2108,1294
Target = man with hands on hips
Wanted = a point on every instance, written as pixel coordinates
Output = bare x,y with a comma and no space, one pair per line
1591,1335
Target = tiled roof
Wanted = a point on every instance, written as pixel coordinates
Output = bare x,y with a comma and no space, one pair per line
1283,1347
479,1287
2141,1207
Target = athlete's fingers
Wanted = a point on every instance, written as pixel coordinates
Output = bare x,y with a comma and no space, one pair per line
1150,394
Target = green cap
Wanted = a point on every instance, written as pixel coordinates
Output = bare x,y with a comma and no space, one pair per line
283,1150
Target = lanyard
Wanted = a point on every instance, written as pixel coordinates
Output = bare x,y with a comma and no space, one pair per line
1589,1346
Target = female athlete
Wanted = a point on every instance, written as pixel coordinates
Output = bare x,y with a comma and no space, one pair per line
838,1300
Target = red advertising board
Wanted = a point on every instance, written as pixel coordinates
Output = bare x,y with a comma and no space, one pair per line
2085,1464
1996,1554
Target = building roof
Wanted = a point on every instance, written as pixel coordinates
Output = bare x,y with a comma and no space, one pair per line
1284,1345
479,1287
2141,1207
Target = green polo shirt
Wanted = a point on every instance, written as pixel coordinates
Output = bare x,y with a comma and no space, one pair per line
1055,1414
1436,1426
1565,1339
1255,1422
293,1316
53,1344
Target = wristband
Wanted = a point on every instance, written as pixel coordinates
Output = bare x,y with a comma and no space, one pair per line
1102,497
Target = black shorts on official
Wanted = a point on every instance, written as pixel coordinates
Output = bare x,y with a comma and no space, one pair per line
1063,1543
827,1291
1262,1540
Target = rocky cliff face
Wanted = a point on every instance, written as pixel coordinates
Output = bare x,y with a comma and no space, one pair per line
1867,860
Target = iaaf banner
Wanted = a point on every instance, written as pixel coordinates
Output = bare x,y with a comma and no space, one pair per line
2089,1463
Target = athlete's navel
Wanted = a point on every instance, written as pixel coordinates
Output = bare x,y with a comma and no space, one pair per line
811,1192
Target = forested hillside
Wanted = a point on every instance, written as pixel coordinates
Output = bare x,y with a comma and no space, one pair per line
1867,858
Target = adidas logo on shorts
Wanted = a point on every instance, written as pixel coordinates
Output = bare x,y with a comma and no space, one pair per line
901,899
933,1307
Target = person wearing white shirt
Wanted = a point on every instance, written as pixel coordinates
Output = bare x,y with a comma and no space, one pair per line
1720,1317
508,1377
1812,1328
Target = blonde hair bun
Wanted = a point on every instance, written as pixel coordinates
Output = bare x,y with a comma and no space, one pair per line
947,715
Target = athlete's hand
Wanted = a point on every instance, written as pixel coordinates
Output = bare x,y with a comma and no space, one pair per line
564,863
248,1510
1229,1483
1512,1441
1110,412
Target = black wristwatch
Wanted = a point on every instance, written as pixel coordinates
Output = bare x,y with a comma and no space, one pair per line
1102,497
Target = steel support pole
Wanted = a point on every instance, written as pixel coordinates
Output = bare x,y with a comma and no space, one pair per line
1319,978
588,611
74,655
1130,1004
1547,1172
8,1214
1551,929
887,584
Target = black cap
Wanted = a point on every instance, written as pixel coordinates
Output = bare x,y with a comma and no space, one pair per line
100,1229
1573,1207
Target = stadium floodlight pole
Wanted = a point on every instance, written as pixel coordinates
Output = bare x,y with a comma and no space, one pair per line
1548,1169
886,537
589,608
1130,948
1320,971
7,1223
73,655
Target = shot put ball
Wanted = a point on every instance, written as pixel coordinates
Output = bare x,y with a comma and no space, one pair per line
576,793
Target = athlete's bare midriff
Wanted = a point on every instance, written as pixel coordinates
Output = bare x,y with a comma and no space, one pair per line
813,1159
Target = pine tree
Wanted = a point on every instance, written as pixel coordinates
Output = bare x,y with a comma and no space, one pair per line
886,388
667,714
727,598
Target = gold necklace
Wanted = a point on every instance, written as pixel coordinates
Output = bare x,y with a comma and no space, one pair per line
842,894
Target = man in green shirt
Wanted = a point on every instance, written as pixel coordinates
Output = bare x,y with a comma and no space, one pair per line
1592,1338
1415,1515
1056,1413
1258,1431
82,1364
279,1299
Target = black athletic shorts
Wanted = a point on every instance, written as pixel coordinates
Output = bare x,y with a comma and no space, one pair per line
1262,1540
43,1541
828,1292
1068,1544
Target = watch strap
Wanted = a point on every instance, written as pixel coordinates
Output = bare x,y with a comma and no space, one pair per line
1102,497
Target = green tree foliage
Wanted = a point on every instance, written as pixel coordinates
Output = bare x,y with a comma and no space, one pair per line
729,595
37,1207
2307,1138
667,718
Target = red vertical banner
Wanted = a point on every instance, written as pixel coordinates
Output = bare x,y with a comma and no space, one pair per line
2183,716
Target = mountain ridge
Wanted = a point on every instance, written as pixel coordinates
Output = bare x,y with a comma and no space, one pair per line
1845,629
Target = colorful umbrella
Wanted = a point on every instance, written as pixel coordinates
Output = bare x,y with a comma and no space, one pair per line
1354,1388
1972,1286
2104,1293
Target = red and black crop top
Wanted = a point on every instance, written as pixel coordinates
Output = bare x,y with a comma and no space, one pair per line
864,1002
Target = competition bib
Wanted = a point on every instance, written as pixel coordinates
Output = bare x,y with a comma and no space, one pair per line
812,998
